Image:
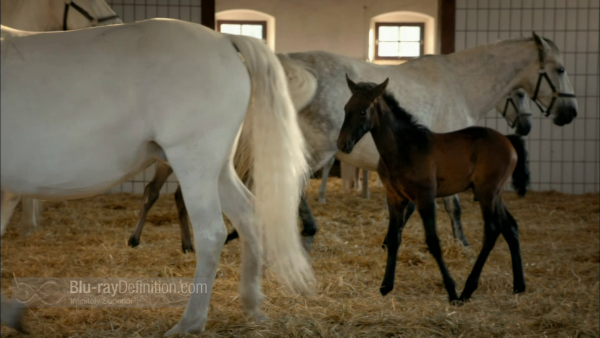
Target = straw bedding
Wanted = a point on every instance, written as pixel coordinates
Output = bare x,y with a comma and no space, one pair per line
559,241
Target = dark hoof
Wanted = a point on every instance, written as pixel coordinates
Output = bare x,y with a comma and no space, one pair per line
187,248
464,243
231,237
307,242
519,289
384,290
458,302
133,242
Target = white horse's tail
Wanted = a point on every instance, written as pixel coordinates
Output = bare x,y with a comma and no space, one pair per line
274,155
301,83
7,32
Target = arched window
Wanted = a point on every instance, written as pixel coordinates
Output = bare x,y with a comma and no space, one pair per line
247,22
396,37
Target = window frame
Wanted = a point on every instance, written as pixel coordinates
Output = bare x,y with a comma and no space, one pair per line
399,24
263,23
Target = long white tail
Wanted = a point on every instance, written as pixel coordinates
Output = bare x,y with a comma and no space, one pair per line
277,163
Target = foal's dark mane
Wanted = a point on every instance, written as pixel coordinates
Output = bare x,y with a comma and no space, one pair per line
402,116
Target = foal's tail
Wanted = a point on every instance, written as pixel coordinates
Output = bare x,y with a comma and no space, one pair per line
520,176
271,150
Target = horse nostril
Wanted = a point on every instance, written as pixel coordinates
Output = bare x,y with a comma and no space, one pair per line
574,113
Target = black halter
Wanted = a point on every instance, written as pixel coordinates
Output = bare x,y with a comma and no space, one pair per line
509,100
555,93
84,13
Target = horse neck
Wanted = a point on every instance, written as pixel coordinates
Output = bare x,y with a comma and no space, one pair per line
487,74
386,132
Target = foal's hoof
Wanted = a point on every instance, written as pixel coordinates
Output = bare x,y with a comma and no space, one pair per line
519,289
307,242
187,247
385,290
458,302
322,200
133,242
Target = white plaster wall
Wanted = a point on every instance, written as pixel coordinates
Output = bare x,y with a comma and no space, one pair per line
337,26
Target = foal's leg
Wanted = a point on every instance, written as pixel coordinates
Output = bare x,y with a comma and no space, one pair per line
238,206
151,194
427,212
324,177
452,205
184,226
309,227
510,232
408,211
490,235
7,207
396,206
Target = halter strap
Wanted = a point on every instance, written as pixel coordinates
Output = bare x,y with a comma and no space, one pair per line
509,100
84,13
555,93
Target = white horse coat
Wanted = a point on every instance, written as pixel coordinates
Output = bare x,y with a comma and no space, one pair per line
82,111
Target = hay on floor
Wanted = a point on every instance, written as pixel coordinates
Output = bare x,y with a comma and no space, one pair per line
559,242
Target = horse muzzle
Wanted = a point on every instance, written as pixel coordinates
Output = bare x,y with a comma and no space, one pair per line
345,146
564,115
523,125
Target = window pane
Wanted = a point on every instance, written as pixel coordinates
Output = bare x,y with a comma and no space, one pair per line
410,49
253,30
388,33
388,49
410,33
231,28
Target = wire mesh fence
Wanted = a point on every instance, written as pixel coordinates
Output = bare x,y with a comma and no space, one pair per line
561,158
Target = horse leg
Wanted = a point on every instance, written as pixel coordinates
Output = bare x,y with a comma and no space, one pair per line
396,208
427,211
452,205
325,176
238,205
309,227
7,207
490,235
510,232
151,194
200,192
11,315
31,214
408,211
365,187
184,226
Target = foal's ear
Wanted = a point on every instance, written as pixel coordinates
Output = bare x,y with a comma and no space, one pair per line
380,88
353,87
542,46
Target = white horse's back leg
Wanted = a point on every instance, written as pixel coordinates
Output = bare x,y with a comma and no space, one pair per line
199,183
324,177
7,207
31,214
11,315
238,205
365,184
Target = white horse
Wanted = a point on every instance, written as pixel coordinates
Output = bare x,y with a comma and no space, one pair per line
70,130
516,110
447,92
48,15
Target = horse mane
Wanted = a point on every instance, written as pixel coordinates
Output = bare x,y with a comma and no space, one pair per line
402,115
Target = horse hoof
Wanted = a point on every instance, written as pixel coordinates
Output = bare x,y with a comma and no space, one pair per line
177,329
322,200
385,290
519,289
458,302
187,248
307,242
133,242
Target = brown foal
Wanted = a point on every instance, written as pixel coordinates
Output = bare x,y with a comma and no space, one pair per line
417,165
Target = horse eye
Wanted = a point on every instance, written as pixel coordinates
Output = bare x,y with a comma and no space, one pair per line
561,70
364,112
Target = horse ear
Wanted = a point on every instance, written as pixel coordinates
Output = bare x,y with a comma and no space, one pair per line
380,88
542,46
353,87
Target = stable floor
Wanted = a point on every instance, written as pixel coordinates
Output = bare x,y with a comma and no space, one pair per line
559,242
